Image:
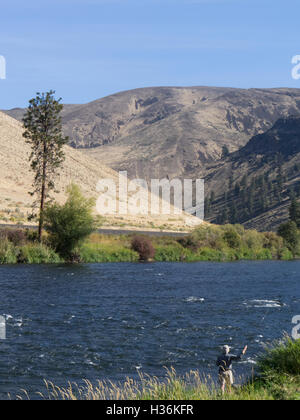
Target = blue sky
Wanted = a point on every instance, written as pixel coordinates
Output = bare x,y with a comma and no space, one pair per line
87,49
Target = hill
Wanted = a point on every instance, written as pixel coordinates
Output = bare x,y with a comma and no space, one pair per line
181,132
254,186
172,131
16,181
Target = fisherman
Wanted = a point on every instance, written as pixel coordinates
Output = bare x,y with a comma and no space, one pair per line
224,363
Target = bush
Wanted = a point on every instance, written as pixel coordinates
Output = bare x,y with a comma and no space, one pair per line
283,357
206,236
189,242
286,255
231,237
69,224
32,235
272,241
253,239
143,246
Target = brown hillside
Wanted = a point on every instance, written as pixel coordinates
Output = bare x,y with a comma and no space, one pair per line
173,131
16,181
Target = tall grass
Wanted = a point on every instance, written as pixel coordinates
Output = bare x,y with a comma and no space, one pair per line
191,386
37,254
97,253
8,254
15,248
278,379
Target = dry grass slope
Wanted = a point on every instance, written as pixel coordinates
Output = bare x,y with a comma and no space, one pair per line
16,181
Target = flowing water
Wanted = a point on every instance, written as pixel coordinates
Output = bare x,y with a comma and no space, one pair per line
108,321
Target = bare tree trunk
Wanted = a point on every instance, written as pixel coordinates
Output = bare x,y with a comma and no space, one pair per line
41,219
43,196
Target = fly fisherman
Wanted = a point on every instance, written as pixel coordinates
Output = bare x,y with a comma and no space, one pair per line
224,363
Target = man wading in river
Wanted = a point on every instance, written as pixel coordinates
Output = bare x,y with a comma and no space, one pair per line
224,363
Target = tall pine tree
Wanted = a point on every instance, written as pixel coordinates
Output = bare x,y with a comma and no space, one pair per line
43,131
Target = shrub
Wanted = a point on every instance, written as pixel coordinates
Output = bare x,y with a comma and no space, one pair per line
207,236
282,357
286,254
253,239
143,246
69,224
32,235
272,241
189,242
231,237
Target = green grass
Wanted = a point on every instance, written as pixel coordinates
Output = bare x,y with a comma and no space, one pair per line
30,253
8,254
37,254
97,253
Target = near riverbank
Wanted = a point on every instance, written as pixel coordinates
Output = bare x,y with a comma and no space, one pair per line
278,378
206,243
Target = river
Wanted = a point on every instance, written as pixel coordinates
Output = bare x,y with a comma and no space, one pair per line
108,321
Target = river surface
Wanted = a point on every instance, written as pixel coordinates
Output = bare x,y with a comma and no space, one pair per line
108,321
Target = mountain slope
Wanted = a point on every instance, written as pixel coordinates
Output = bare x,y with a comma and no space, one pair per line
172,131
16,181
260,179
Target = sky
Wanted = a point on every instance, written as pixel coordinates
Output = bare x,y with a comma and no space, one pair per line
87,49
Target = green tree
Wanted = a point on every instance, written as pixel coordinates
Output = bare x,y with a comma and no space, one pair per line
289,232
43,131
231,237
295,212
69,224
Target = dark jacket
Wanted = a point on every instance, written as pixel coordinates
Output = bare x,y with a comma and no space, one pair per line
224,362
